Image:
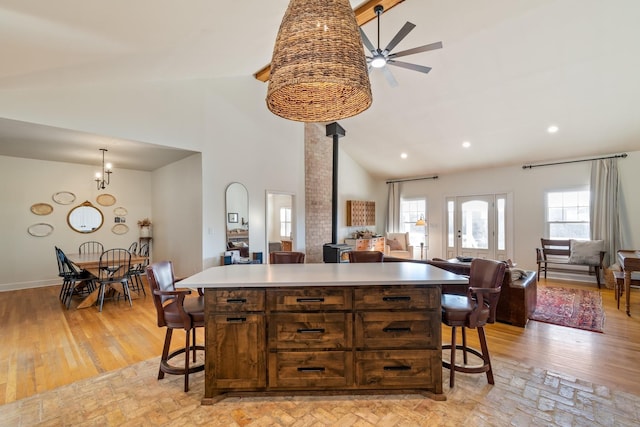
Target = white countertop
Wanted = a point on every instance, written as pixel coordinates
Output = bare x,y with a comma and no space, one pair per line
329,274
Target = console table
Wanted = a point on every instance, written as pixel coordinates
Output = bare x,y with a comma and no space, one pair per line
370,244
331,328
629,261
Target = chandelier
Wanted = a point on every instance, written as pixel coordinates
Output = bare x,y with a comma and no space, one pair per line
102,179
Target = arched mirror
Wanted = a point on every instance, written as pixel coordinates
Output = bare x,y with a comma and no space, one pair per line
85,218
237,216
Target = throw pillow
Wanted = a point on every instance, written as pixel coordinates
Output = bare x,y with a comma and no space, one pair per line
517,273
394,245
585,252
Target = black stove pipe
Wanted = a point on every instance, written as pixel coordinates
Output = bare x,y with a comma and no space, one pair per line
336,131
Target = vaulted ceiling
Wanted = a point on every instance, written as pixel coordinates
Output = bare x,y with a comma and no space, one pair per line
507,71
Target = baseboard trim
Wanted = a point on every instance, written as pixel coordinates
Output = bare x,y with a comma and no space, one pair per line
28,285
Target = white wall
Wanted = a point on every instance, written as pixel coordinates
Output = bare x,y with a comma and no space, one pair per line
355,183
240,140
224,119
527,188
177,215
27,261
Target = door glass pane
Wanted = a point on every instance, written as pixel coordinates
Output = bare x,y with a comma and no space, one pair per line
475,224
502,245
450,224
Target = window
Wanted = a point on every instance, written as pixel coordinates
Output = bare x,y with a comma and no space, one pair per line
411,211
568,214
285,222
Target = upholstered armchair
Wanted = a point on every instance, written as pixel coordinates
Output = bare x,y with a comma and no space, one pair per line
397,245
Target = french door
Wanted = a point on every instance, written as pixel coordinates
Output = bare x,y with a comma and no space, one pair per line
477,227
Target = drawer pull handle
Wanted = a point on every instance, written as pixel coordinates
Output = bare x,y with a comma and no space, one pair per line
236,300
397,329
394,299
310,300
397,368
311,369
236,319
311,331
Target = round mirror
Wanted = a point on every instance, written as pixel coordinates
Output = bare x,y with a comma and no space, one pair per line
237,200
85,218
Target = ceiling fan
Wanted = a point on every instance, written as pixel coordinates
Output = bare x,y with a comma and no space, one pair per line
381,58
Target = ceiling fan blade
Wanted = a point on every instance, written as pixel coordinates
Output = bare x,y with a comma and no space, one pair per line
389,76
367,42
425,48
414,67
406,29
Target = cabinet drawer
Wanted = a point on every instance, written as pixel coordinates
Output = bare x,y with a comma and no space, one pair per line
397,298
308,370
413,329
398,368
310,331
235,300
308,299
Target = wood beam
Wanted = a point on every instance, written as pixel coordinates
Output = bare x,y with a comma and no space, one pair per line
364,13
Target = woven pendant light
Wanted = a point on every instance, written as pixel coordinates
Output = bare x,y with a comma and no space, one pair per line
318,69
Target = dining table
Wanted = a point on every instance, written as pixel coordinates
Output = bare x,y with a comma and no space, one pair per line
90,262
629,261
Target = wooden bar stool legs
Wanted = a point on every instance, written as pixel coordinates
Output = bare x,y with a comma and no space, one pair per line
482,354
189,351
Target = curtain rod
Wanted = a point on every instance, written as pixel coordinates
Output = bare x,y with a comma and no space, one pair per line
616,156
391,181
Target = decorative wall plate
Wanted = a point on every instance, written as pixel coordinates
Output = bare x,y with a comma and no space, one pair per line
64,197
120,229
40,229
106,200
41,208
120,211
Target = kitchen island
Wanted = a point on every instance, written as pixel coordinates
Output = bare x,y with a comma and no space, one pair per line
334,328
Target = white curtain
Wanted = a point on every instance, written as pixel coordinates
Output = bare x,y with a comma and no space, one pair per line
605,222
393,207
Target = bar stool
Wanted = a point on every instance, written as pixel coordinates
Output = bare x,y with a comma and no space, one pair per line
473,310
176,311
286,257
366,256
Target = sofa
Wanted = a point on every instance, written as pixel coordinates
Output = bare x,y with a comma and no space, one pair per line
518,296
397,245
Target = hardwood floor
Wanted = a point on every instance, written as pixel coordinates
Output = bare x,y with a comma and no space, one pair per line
45,346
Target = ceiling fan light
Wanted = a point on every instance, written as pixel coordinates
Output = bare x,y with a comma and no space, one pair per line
378,62
318,70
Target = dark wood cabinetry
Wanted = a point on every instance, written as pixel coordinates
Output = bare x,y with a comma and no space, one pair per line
331,339
235,340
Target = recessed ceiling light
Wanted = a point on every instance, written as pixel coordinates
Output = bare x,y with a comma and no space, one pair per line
403,155
466,144
553,129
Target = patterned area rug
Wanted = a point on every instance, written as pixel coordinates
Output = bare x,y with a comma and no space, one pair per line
574,308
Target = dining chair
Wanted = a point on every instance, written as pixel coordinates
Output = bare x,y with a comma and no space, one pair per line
474,311
286,257
137,270
366,256
71,275
113,268
176,310
91,247
133,248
